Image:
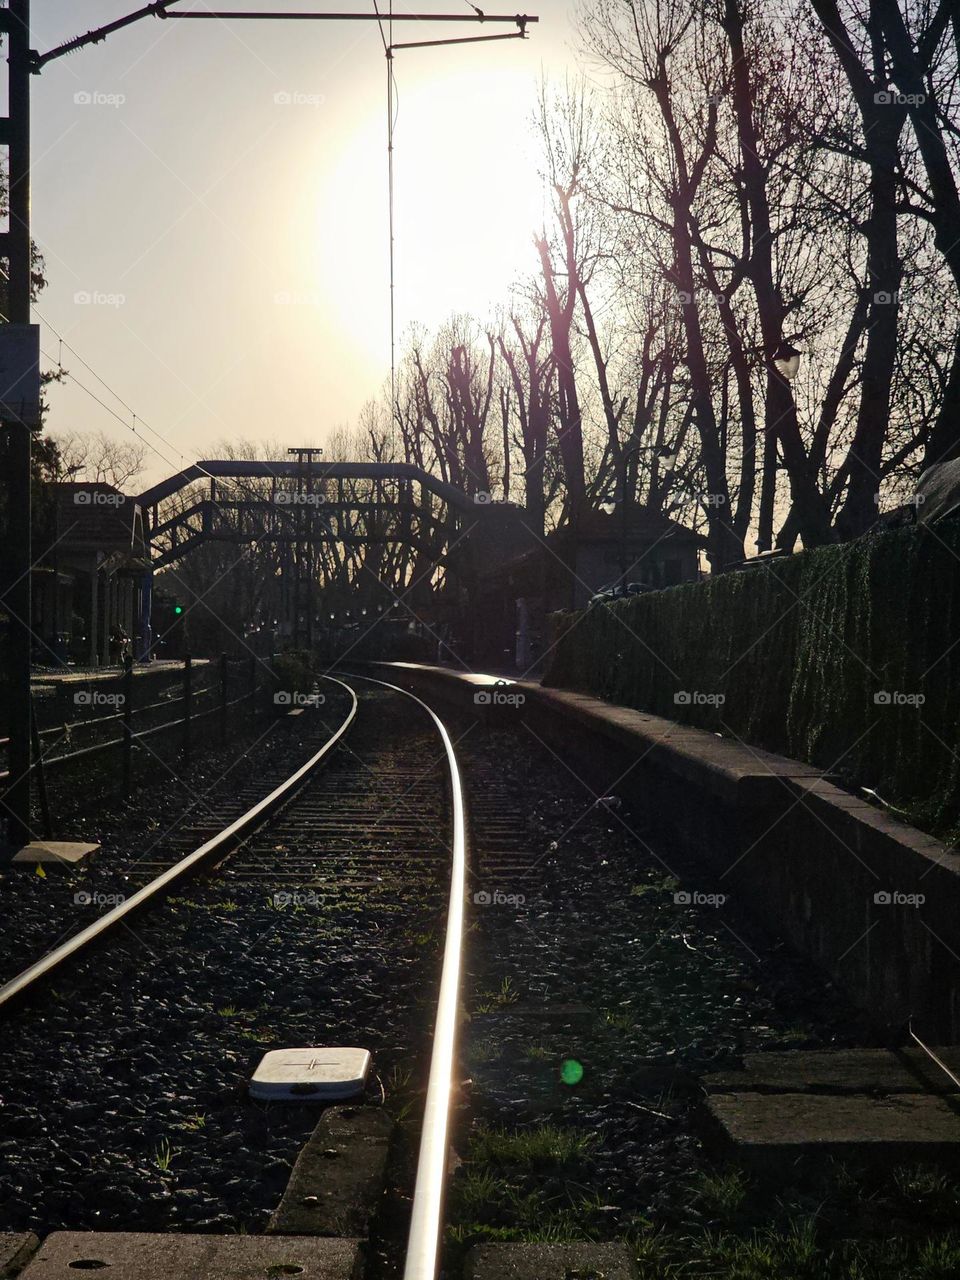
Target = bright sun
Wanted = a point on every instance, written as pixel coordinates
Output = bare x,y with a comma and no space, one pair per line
467,202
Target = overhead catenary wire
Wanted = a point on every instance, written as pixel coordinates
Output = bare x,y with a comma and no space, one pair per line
113,413
136,419
391,198
176,463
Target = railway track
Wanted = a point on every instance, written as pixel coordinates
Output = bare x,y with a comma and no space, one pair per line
350,870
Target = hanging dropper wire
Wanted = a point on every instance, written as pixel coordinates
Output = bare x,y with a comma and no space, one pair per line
388,48
390,126
388,53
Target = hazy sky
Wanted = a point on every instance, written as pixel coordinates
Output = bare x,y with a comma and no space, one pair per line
211,201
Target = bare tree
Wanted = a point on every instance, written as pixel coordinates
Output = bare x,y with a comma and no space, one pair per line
97,458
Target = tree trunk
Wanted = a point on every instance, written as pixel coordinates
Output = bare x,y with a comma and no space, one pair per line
910,62
779,406
560,316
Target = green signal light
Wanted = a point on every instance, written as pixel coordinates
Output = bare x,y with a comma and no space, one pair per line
178,609
571,1071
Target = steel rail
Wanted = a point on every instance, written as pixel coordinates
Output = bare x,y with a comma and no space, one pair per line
426,1220
213,848
71,725
934,1057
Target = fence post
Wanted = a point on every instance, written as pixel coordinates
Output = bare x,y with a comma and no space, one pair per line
127,739
187,703
40,776
223,699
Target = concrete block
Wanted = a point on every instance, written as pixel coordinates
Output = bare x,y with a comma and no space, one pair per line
337,1181
123,1255
550,1262
869,1071
774,1129
63,853
16,1249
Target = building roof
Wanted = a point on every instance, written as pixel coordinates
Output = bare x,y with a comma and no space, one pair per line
645,531
637,523
98,516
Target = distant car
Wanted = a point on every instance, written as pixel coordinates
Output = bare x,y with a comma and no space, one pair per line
758,561
618,591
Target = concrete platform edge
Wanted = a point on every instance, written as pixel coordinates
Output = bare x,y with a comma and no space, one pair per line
871,900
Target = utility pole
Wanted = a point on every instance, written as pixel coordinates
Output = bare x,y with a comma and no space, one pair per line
19,416
304,555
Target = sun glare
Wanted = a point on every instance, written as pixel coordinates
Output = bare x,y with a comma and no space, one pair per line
467,201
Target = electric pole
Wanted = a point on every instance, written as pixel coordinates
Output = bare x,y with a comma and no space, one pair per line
19,416
304,555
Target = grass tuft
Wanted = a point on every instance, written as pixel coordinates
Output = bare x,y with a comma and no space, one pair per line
529,1148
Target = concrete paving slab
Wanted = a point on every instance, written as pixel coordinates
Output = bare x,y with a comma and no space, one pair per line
62,853
338,1179
122,1255
550,1262
869,1071
16,1249
901,1128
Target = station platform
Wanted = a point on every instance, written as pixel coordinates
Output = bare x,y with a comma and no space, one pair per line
83,675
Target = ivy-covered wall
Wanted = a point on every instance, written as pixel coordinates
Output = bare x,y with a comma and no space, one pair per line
847,657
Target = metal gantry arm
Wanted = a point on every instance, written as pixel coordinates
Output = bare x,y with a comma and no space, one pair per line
156,10
164,9
521,19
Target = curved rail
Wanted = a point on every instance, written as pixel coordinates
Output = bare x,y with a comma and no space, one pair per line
217,845
426,1222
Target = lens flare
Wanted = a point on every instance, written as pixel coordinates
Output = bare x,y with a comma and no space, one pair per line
571,1071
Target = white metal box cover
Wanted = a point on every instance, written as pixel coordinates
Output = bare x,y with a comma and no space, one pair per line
318,1073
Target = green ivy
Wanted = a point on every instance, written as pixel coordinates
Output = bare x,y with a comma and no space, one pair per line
799,651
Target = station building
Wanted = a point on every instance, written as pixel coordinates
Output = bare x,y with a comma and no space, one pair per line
94,579
512,600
